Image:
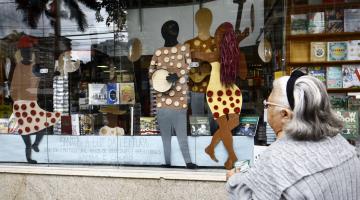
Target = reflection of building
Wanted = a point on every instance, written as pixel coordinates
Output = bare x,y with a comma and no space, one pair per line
111,48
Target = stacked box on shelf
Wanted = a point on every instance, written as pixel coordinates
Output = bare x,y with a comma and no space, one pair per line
318,51
318,72
352,20
338,101
351,123
316,22
337,51
353,50
334,20
334,77
299,24
351,76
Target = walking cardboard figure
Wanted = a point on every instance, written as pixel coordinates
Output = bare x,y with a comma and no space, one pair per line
27,117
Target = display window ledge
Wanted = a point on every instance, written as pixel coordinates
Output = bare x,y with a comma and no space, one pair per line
120,151
217,175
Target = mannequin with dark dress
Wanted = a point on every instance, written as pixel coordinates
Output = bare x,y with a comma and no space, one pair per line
172,104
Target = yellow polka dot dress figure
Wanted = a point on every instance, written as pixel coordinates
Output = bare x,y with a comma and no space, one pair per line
168,71
223,96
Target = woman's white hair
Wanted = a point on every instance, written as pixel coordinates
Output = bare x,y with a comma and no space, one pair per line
313,118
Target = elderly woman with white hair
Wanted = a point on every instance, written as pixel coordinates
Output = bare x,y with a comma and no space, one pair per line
310,159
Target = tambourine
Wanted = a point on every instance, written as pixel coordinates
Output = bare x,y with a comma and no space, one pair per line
159,81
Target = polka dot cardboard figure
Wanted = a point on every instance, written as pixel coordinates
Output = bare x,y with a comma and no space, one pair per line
199,76
223,96
180,67
172,104
27,117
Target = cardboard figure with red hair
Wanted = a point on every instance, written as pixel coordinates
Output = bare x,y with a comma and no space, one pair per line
223,96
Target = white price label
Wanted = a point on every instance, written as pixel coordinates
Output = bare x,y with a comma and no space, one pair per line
44,71
194,64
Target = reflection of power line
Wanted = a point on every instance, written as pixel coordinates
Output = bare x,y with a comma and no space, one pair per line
93,38
92,33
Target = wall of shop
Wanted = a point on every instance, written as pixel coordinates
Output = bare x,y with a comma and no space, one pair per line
21,186
147,25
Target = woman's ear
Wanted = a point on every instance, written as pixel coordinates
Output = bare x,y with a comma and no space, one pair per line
286,114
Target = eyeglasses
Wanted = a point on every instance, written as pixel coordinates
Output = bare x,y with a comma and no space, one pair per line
267,104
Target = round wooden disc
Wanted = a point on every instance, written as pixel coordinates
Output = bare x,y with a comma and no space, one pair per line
135,49
264,50
159,81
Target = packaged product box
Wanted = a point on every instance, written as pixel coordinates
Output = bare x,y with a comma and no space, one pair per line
316,22
352,20
351,76
299,24
337,51
318,51
334,20
334,77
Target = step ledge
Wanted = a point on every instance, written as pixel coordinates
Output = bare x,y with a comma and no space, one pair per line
217,175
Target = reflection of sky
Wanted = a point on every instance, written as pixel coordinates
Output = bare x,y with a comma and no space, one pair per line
97,32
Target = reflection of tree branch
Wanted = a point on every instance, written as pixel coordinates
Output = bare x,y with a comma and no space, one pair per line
32,11
77,14
116,11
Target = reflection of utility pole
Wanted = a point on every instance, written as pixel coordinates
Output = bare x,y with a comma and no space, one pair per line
57,28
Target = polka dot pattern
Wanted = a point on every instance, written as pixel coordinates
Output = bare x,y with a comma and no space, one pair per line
174,50
31,118
171,93
228,92
176,103
228,101
173,59
198,45
168,101
182,80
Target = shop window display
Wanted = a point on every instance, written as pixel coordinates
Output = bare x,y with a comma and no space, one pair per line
175,84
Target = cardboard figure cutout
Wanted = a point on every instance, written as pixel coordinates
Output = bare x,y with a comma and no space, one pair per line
63,65
27,117
223,96
172,104
199,76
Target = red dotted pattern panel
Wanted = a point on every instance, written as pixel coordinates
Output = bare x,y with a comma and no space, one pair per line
227,101
31,118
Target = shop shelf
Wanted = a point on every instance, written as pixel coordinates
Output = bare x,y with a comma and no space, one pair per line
326,63
325,36
299,9
343,90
